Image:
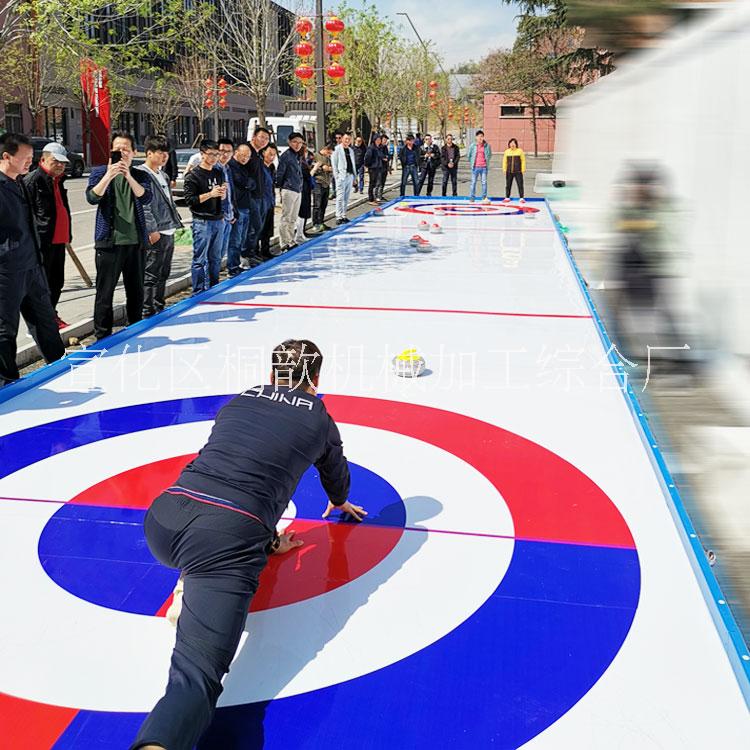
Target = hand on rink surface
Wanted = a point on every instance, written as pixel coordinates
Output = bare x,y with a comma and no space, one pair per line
357,512
287,543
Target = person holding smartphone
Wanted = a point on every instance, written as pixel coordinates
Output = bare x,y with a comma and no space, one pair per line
119,193
205,192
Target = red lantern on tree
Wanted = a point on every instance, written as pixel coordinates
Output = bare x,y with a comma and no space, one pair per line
303,49
335,48
334,26
432,94
221,92
303,26
335,71
304,72
433,105
419,84
209,95
433,85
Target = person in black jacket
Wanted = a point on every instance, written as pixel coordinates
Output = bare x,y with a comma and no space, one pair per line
244,191
162,222
289,182
204,194
449,157
360,150
49,202
374,164
119,191
430,161
251,254
23,286
217,525
387,162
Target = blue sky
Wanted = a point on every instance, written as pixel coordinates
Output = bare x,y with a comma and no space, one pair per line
460,31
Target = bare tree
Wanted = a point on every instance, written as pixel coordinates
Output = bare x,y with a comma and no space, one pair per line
164,100
190,73
253,46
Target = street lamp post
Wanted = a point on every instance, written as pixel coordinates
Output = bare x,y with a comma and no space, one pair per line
321,129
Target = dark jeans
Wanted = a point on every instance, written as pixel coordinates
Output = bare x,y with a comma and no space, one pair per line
156,275
374,177
254,226
409,172
53,257
361,178
452,174
509,176
266,233
26,293
320,203
208,238
237,240
428,173
128,260
221,554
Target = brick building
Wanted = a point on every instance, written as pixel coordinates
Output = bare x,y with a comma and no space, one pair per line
505,118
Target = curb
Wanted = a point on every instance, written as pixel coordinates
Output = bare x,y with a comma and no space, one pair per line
29,354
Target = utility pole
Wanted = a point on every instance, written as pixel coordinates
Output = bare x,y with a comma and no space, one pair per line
321,129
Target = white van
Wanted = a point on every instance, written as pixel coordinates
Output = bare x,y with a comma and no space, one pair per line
282,127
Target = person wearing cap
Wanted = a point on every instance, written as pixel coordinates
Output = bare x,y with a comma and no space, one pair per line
49,204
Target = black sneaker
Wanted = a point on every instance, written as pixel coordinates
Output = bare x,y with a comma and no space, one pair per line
339,222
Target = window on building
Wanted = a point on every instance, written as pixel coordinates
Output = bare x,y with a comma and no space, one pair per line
546,111
13,118
239,131
56,124
512,111
129,122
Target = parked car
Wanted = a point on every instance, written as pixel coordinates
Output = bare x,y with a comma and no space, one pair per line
75,166
183,157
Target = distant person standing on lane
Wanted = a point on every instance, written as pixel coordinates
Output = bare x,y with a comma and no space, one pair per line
449,156
480,154
514,166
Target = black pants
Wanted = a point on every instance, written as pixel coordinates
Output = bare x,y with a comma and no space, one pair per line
26,293
428,174
221,554
452,174
254,227
53,257
373,184
320,203
156,274
127,260
509,177
266,234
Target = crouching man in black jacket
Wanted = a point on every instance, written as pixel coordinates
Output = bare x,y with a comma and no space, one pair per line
23,285
217,524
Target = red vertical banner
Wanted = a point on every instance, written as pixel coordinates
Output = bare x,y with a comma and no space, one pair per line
96,112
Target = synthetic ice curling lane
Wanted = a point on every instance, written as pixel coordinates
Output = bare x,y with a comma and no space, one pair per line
520,580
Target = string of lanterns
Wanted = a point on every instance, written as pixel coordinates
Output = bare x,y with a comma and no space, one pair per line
304,49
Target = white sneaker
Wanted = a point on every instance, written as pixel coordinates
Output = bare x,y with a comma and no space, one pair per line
506,200
486,200
175,607
244,263
523,200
